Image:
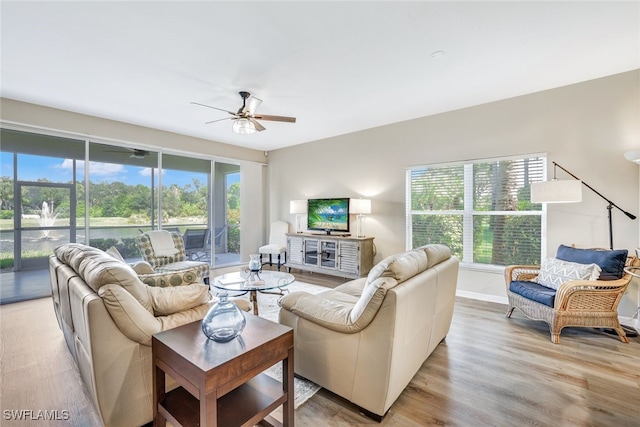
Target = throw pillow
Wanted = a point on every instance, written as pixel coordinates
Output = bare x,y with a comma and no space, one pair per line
611,262
114,252
554,272
165,301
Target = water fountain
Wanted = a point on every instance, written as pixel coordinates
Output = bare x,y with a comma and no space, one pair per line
47,219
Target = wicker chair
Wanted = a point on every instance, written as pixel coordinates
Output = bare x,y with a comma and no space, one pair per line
577,303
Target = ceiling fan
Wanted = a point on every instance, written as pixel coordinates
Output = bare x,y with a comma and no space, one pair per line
246,119
134,153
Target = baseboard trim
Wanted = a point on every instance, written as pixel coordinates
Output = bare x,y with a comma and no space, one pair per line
482,297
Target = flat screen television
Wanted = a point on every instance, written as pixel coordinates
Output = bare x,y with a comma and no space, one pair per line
328,215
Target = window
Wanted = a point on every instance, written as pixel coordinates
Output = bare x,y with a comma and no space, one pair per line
121,192
480,209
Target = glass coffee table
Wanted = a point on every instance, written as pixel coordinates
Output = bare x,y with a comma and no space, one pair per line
266,282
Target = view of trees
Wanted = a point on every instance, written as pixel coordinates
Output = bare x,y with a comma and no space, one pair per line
116,203
437,201
116,199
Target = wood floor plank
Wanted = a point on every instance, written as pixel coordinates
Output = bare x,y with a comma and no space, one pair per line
489,371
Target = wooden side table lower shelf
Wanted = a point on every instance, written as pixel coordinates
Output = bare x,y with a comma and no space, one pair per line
222,383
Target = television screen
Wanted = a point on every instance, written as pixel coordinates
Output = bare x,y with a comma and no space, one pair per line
328,214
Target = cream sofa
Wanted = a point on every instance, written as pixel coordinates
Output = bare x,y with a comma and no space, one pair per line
108,315
366,339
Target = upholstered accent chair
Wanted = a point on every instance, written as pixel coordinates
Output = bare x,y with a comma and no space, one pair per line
171,263
277,243
575,302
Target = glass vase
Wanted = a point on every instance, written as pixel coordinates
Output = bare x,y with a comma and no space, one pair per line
224,321
254,263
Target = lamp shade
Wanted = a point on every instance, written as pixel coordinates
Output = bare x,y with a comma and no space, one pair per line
556,191
360,206
298,206
243,126
633,156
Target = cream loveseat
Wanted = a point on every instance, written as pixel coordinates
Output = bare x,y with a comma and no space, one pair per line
108,315
366,339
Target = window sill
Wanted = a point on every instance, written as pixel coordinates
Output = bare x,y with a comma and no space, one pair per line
485,268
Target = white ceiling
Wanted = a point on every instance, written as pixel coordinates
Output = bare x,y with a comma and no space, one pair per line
338,67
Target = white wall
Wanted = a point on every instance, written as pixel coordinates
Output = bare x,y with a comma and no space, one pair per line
585,127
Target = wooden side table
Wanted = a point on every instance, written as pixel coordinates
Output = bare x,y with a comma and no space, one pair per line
222,384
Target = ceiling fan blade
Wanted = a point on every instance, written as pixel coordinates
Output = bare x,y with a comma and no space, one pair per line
219,120
252,104
215,108
275,118
258,126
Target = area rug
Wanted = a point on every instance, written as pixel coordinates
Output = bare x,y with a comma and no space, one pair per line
268,308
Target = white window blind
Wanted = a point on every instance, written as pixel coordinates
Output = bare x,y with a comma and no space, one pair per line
480,209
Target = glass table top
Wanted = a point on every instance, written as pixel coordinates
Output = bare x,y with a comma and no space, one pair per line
246,281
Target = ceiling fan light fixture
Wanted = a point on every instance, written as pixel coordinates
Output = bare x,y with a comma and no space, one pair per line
243,126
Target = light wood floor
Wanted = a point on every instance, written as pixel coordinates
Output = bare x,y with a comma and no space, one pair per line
490,371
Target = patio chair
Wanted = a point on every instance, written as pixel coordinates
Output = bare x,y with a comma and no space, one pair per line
218,237
196,244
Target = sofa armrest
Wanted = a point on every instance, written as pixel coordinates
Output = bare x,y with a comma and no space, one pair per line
329,309
183,317
135,322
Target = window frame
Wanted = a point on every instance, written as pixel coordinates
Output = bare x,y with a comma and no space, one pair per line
468,213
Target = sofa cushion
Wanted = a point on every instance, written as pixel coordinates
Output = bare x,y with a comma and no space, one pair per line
533,291
170,300
611,262
399,267
436,253
99,269
554,272
352,287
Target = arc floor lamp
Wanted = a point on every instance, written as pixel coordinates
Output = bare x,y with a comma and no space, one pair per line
566,191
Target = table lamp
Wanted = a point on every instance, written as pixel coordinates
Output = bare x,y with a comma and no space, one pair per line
298,207
360,207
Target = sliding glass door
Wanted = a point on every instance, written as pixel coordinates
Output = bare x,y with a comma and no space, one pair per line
109,200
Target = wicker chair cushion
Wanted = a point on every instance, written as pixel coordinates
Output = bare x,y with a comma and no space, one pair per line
534,292
611,262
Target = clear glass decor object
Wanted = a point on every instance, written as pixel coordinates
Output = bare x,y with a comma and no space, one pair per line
254,263
224,321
